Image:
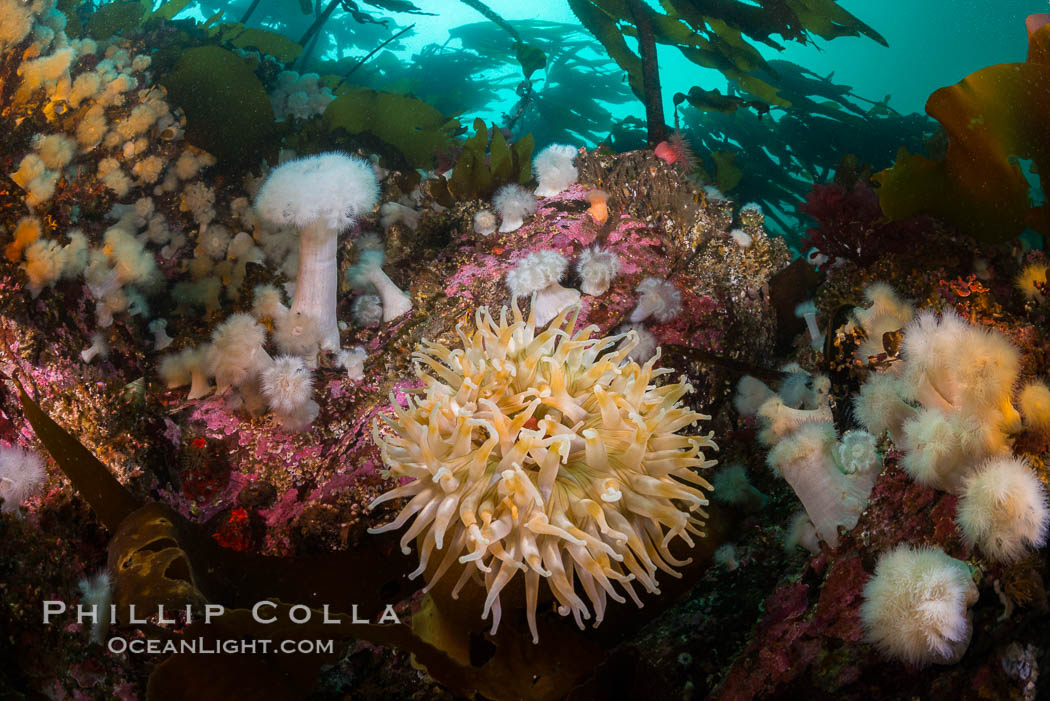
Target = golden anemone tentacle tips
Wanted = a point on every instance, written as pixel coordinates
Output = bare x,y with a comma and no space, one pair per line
547,453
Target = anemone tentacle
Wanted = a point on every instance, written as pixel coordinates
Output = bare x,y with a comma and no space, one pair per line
544,452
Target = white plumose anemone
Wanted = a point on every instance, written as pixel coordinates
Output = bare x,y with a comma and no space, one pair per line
1003,509
321,196
546,453
597,269
916,607
538,274
287,384
657,298
514,203
368,272
484,223
885,313
554,169
22,476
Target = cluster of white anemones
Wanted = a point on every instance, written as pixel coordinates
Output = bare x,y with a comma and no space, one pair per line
548,453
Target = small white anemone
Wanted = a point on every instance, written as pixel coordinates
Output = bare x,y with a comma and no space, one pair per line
645,345
657,298
751,393
236,354
1003,509
726,556
856,452
267,303
597,269
731,486
353,361
808,310
367,310
98,348
159,329
741,238
369,272
885,312
916,606
538,274
801,533
96,596
1034,400
287,384
187,367
554,169
514,203
484,223
801,390
22,476
394,213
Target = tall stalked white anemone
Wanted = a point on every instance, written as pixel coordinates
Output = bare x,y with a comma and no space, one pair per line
547,453
320,196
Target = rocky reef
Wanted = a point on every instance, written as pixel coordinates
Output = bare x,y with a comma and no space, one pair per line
209,499
338,399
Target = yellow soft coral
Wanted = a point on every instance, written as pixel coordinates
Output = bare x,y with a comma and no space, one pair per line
1031,277
26,232
549,454
1035,406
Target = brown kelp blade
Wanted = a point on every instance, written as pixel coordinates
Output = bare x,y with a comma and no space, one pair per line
157,556
993,117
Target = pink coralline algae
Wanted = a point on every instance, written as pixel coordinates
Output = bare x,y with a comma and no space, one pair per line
835,614
486,266
791,651
901,510
699,328
795,631
568,234
332,487
172,432
335,389
219,420
287,508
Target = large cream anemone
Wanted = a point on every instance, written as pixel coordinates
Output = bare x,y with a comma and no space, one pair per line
549,454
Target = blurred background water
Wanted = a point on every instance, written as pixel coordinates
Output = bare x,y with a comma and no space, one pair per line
932,43
461,63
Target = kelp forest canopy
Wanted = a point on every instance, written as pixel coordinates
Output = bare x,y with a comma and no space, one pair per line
764,129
